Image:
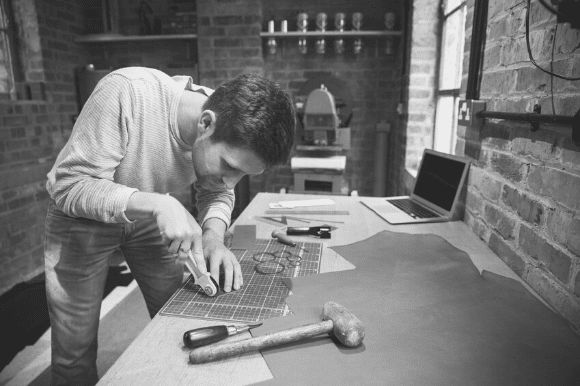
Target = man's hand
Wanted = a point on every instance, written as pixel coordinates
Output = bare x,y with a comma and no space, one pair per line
219,256
180,232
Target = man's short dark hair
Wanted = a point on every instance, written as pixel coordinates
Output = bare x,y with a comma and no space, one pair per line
256,113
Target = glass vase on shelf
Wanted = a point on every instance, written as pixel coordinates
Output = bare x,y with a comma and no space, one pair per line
271,41
321,22
302,23
339,24
357,19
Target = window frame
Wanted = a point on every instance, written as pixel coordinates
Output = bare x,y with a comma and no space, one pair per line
9,30
447,144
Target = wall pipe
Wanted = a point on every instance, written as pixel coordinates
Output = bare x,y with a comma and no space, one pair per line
535,119
529,117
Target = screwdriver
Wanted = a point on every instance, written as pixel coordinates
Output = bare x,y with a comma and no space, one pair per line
205,335
281,237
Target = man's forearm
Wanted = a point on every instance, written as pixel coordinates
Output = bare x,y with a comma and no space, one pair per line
214,229
143,205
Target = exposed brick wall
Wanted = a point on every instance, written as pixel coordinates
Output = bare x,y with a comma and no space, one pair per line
423,67
32,132
524,187
229,39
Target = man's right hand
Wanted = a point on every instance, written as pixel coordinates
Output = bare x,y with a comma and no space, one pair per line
177,226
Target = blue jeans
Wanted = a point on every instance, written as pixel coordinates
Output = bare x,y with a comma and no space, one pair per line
77,253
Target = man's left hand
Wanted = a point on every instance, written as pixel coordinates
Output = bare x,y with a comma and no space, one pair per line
219,256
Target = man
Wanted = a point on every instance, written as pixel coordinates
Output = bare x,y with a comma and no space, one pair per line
140,135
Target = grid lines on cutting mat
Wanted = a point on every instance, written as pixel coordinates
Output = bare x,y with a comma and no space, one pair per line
262,295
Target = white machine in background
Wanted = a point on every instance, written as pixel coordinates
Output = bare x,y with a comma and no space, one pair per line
319,164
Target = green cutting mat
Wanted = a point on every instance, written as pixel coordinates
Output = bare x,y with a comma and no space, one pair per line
262,295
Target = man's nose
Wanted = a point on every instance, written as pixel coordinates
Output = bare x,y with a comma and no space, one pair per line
231,180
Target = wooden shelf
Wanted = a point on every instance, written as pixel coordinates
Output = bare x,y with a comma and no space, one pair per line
319,148
112,38
294,34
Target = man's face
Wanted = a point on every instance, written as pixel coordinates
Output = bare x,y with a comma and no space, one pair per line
226,162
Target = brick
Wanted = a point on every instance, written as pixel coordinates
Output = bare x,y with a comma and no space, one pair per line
555,295
15,120
541,145
564,229
537,247
488,187
532,80
528,209
477,226
227,42
23,175
506,252
491,57
499,221
227,20
561,186
567,41
508,166
498,82
557,224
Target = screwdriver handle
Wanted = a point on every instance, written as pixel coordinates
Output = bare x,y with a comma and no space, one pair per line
205,335
281,237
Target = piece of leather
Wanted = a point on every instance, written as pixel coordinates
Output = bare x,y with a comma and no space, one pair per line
244,237
430,319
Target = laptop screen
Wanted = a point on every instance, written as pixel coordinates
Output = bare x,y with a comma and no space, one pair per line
438,180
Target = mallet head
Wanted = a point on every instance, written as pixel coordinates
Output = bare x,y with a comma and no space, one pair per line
347,328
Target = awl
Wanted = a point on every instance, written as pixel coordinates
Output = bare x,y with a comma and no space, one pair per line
323,231
281,237
206,335
204,280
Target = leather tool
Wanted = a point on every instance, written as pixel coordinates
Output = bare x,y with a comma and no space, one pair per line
281,237
322,231
205,335
204,280
344,325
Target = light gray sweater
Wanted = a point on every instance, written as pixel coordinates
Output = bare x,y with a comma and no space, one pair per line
125,140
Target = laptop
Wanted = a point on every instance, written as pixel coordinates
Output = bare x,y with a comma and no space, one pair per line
435,193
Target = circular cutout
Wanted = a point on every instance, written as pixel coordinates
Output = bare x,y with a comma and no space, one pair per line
263,256
281,254
294,258
269,267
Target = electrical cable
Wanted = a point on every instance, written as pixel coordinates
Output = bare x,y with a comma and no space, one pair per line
530,49
554,11
552,69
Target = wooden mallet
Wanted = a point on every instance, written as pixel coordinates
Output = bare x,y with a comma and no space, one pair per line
336,319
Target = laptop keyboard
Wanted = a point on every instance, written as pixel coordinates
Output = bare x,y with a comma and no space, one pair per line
413,209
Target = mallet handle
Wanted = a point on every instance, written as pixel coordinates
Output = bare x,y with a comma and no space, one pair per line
227,349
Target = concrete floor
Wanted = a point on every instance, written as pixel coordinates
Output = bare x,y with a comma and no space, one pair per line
123,317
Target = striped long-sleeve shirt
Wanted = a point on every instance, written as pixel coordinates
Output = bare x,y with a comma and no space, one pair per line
126,139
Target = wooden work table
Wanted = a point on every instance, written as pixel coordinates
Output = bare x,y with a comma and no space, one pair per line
157,356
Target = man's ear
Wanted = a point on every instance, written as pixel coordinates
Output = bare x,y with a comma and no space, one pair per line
207,120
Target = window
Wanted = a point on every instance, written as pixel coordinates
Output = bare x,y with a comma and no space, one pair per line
8,57
450,71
